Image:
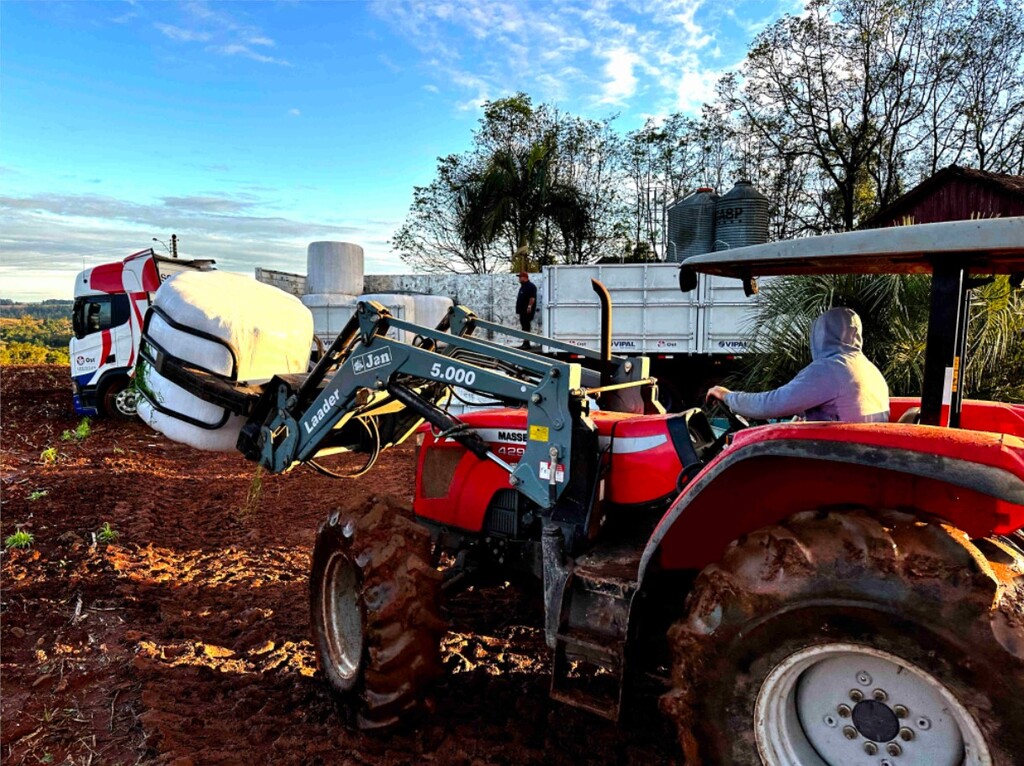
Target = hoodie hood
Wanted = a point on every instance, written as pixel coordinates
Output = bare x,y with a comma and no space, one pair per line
837,331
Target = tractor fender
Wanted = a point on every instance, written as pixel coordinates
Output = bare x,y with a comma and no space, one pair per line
972,480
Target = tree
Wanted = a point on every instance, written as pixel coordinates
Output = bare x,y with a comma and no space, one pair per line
845,86
990,84
514,195
29,340
430,239
578,196
665,160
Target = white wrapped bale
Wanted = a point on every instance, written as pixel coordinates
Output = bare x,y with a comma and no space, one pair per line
430,309
334,267
331,312
269,330
400,306
220,438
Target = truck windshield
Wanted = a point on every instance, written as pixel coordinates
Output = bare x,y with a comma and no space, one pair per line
94,313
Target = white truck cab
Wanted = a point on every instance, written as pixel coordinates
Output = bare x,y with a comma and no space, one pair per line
110,304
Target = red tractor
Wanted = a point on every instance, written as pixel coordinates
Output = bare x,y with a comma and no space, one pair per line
824,593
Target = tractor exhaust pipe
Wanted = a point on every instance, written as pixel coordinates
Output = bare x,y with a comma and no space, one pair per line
606,331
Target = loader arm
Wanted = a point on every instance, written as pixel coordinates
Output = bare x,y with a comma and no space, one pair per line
372,391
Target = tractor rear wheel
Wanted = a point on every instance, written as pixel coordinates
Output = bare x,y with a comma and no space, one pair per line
375,612
853,638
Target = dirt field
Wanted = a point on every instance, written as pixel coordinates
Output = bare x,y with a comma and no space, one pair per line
185,640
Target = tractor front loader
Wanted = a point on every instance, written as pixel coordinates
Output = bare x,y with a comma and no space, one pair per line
807,594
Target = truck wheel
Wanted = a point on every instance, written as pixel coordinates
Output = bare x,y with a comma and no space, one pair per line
853,638
120,400
375,612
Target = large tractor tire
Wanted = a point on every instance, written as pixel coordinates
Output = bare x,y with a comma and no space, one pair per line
375,612
853,638
119,400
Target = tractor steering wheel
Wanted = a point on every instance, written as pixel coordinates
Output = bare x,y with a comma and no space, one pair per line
718,407
715,407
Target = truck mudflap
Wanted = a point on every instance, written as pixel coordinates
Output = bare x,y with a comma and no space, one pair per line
973,480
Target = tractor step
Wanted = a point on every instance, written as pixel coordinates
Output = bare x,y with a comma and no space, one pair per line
589,665
588,644
587,673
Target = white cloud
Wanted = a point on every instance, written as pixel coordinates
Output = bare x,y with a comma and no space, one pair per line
181,35
596,53
124,18
225,34
237,49
386,60
294,113
696,88
45,239
620,81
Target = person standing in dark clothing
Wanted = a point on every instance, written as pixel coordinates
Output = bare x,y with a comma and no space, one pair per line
526,303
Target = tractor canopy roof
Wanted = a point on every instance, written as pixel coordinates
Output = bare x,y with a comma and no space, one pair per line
986,246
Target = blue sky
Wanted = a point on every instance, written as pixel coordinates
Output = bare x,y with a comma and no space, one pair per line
252,129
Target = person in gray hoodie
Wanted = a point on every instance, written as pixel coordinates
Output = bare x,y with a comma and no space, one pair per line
840,383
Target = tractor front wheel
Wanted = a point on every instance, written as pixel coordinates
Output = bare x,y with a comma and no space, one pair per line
375,612
854,638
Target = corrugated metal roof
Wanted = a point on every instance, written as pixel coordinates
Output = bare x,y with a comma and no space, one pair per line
1000,183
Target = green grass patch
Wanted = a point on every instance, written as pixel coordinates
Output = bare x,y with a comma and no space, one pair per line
107,534
20,539
253,495
80,432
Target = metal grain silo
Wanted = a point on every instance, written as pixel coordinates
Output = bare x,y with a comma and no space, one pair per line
741,217
691,225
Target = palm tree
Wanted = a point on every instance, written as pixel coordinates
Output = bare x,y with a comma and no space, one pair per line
514,196
894,310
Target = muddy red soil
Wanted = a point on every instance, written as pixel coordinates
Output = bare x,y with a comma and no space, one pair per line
185,638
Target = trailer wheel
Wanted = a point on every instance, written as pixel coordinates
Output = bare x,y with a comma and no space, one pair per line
853,638
120,400
375,612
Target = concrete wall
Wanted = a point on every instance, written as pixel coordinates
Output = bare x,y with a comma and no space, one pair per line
290,283
491,296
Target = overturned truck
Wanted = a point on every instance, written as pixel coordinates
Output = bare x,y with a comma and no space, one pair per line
806,593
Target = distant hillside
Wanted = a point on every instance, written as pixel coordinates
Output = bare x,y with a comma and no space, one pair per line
34,333
49,309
